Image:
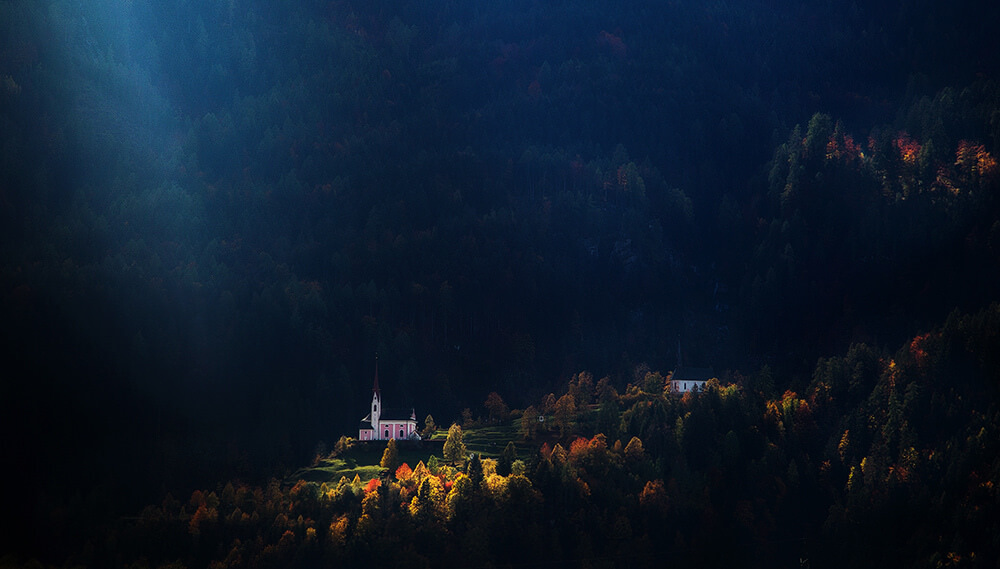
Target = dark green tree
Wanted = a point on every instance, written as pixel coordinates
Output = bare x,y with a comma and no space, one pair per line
581,387
506,460
474,470
609,417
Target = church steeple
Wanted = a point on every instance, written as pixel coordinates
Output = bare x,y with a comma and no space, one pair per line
376,400
379,426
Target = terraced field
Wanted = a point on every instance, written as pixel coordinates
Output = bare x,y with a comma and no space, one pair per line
332,470
490,441
363,459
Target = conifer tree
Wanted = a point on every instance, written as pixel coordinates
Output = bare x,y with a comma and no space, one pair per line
475,470
506,459
429,426
454,448
390,457
529,423
564,413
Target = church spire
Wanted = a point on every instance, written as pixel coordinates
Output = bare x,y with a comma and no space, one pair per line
376,404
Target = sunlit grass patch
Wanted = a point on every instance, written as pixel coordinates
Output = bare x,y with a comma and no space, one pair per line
363,460
333,469
490,441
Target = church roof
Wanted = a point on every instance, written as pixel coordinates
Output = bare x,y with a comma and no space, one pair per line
396,415
366,425
393,415
684,373
692,374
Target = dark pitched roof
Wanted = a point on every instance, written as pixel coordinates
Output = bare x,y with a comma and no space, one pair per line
388,415
693,374
395,415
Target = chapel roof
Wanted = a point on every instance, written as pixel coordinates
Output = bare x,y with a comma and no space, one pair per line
692,374
396,415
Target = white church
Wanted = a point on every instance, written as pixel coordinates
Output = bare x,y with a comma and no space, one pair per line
685,379
382,424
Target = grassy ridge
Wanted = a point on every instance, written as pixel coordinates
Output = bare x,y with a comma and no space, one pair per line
330,470
490,441
363,458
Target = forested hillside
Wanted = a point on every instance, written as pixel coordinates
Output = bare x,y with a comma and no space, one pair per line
213,214
895,454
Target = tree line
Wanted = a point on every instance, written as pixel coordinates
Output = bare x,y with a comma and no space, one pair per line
893,452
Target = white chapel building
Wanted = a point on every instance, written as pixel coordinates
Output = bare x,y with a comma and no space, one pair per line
685,379
382,424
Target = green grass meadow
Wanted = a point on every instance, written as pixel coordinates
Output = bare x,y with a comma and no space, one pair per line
363,458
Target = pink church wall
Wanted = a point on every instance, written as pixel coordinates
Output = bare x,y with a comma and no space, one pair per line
387,431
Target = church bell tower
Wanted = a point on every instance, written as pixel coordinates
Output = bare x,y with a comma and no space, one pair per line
376,402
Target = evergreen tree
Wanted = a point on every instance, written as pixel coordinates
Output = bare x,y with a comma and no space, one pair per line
390,457
609,417
507,459
454,448
564,413
529,423
429,427
474,470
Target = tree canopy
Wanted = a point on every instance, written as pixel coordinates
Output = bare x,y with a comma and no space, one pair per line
454,448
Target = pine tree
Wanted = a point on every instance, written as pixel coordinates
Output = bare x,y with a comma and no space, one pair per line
390,458
507,459
454,448
474,470
564,413
529,423
429,427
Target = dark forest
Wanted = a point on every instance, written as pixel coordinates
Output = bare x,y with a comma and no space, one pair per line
215,214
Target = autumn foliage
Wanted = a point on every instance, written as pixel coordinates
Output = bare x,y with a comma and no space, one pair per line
852,450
